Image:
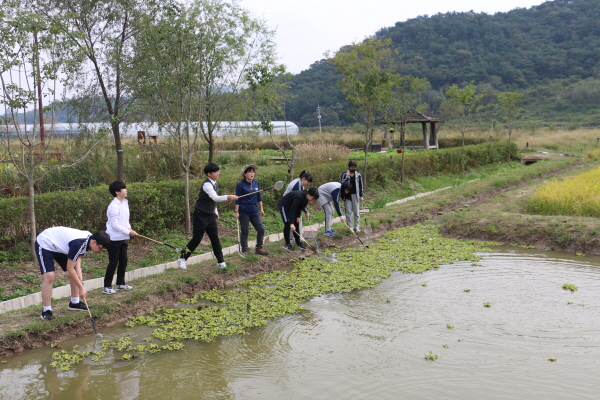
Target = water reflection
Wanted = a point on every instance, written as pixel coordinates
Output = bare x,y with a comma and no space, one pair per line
371,343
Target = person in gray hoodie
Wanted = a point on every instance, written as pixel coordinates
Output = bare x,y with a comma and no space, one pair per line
329,198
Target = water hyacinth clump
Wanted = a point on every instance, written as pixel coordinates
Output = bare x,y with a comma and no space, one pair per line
254,303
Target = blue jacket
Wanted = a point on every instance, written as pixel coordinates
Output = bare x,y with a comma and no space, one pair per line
248,205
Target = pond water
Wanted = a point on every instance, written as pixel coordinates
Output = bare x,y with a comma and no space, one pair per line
371,343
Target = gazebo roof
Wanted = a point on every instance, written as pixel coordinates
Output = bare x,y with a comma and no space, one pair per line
416,117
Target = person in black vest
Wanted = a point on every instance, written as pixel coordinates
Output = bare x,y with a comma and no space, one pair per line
205,217
290,207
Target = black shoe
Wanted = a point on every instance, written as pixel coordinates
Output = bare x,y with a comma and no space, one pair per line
78,307
289,247
302,246
47,315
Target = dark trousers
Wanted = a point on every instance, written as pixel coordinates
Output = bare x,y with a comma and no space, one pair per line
245,221
204,223
117,260
287,232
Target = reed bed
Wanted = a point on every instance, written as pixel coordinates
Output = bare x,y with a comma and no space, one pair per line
576,196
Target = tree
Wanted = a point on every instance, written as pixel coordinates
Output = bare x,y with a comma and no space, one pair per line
462,105
268,92
508,104
103,30
404,100
187,70
31,57
367,80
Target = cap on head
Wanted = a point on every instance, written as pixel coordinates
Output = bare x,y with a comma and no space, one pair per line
246,169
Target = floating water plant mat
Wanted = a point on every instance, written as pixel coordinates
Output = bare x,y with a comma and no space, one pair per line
255,302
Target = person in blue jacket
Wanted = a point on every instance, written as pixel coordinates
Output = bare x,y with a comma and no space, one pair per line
249,209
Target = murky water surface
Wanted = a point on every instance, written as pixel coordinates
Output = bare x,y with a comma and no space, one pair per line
371,344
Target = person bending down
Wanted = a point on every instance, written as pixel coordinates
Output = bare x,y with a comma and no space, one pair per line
330,193
290,207
66,246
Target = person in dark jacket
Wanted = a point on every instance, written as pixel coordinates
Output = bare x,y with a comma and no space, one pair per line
290,207
205,217
249,209
353,199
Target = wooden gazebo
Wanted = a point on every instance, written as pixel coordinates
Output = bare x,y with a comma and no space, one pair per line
430,141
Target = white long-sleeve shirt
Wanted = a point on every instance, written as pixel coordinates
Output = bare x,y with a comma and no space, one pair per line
209,189
118,225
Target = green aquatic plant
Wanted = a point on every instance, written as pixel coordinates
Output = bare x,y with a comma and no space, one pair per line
431,356
580,254
568,286
445,346
254,303
487,305
423,284
449,326
467,290
552,359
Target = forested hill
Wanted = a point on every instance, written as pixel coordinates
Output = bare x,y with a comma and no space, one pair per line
514,50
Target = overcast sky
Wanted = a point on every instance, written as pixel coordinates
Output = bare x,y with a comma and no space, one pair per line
308,28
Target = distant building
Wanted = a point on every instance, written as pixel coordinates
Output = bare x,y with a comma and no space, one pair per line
226,128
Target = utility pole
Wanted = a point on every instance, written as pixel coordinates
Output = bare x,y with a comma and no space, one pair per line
319,117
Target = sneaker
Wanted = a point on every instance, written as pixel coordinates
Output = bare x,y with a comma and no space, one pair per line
126,287
333,231
302,246
357,229
222,265
78,306
289,247
181,263
328,233
261,251
47,315
108,290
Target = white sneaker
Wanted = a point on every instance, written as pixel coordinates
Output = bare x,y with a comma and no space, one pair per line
357,229
121,287
222,265
181,263
108,290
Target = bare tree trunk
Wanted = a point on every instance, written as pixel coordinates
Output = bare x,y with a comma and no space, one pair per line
31,189
188,222
116,128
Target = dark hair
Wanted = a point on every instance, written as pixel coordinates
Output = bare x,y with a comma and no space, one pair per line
249,169
306,175
351,163
101,238
115,187
345,186
210,167
314,192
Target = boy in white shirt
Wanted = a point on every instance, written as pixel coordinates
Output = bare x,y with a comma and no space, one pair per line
119,230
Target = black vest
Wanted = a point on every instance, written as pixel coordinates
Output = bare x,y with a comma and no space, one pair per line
204,203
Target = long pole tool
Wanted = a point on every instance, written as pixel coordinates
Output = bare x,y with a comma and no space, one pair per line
240,252
301,238
97,334
277,186
156,241
354,233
